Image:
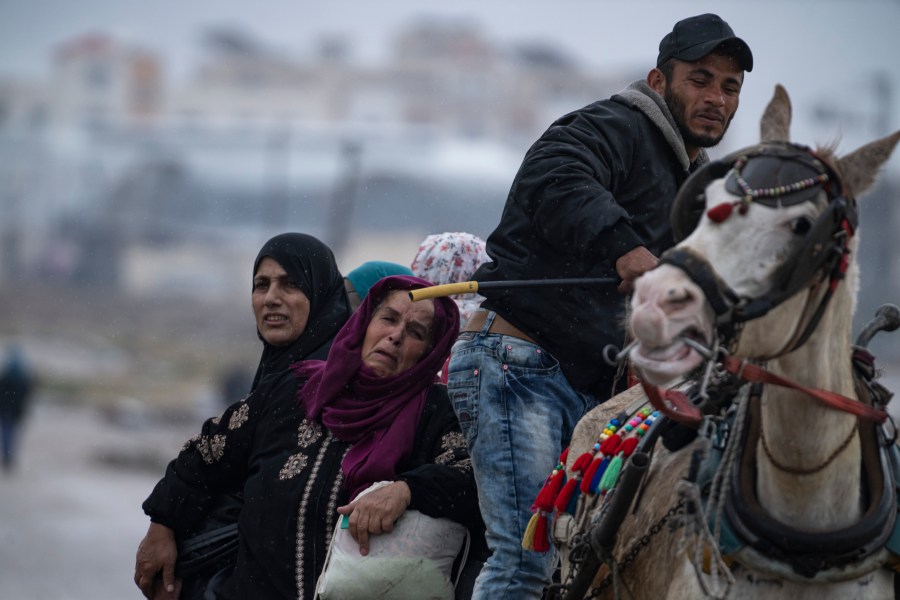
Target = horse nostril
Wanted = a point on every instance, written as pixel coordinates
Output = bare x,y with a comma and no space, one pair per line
677,297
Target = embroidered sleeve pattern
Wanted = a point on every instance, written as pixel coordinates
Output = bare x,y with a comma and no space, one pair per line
211,448
239,417
215,459
454,453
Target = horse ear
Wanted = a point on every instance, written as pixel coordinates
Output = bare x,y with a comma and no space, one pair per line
775,125
859,168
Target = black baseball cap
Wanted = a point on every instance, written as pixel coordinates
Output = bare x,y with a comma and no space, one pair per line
693,38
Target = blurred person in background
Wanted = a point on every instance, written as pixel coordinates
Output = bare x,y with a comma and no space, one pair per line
358,281
16,386
452,257
303,451
299,304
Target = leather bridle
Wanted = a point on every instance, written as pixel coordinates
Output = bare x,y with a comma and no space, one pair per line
822,254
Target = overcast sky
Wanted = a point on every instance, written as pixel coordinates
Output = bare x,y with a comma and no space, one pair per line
826,52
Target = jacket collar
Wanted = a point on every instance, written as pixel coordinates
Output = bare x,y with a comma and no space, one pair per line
641,96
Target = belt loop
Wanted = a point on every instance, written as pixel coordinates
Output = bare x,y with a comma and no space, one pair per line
488,321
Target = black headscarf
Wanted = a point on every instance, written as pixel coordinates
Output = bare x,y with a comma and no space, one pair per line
311,264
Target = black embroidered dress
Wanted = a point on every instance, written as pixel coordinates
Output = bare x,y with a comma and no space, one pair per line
290,471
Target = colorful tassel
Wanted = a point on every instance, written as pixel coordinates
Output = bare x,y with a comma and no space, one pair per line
611,474
720,212
608,447
628,446
571,486
617,441
594,488
528,538
550,491
541,541
586,482
582,462
562,501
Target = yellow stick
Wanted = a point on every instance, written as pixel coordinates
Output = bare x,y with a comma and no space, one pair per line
448,289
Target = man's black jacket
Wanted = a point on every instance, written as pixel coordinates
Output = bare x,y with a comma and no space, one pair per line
598,183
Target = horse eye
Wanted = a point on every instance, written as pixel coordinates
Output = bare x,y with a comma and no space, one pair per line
801,225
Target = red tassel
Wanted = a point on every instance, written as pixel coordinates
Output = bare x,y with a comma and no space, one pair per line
608,447
582,462
719,213
628,446
589,475
564,456
562,501
550,491
541,539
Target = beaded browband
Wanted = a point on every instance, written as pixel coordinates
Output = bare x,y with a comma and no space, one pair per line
790,182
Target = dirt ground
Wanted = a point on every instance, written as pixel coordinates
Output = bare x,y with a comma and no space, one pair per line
70,514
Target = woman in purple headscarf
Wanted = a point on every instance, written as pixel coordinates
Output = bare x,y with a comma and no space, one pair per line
372,412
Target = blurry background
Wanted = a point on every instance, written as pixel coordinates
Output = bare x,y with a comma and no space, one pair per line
148,149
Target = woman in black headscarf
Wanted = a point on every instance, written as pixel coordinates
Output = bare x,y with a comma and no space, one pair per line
299,304
310,268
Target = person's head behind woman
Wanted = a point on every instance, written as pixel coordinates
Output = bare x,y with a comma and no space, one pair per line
372,388
298,300
359,280
452,257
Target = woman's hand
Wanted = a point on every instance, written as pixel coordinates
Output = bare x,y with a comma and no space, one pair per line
156,554
376,512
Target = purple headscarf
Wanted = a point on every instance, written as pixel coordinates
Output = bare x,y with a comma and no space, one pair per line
374,413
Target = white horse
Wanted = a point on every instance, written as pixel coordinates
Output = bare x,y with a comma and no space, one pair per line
768,274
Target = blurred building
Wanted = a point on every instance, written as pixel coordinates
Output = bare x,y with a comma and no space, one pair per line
116,181
107,164
100,84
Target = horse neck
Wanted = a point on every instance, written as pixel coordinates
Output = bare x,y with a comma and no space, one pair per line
801,432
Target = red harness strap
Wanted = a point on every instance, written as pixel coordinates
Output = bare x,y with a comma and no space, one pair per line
753,373
674,404
677,406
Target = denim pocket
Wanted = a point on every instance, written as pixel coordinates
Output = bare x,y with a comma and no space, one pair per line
527,357
463,380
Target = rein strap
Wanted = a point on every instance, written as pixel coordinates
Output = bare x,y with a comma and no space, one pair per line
676,405
755,374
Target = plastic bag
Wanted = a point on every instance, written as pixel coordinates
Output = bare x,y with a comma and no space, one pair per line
415,560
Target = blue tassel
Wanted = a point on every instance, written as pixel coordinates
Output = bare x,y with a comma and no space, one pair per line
595,482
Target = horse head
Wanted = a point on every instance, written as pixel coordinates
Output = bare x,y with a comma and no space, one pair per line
766,231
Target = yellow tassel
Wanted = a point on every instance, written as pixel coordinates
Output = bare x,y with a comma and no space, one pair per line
528,538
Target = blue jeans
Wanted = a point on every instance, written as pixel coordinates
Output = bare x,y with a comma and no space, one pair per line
517,411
